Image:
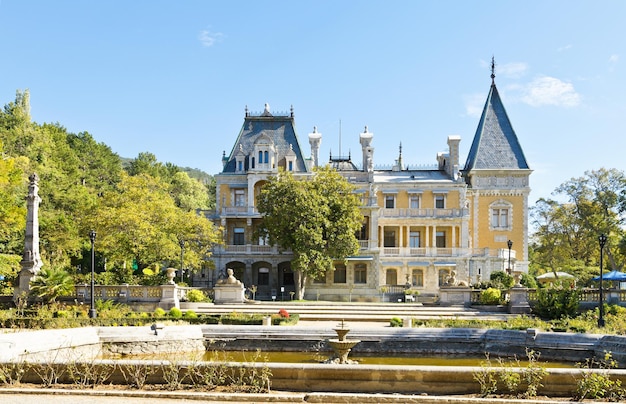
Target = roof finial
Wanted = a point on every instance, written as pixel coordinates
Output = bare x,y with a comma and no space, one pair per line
493,70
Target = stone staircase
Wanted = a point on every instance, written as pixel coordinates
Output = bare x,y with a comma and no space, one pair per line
353,312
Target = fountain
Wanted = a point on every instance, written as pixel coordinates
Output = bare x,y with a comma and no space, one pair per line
342,346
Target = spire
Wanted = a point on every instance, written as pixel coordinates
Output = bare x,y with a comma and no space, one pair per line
493,71
495,145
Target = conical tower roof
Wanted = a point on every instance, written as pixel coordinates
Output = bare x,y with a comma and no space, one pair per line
495,145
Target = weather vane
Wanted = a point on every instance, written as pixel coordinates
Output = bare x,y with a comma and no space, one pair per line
493,69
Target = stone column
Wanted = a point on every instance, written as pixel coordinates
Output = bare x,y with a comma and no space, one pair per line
31,260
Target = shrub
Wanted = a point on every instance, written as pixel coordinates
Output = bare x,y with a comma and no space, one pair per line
190,314
50,284
596,383
236,318
159,312
175,312
528,281
486,378
62,314
490,296
501,280
283,313
395,322
553,304
293,319
196,296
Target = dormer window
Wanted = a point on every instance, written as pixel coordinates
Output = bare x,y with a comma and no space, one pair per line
290,159
240,160
265,154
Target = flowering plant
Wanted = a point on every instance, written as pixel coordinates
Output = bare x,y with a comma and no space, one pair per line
283,313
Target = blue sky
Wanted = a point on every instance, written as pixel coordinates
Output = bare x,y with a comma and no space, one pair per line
174,77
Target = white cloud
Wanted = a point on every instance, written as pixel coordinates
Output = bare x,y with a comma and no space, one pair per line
474,104
614,58
208,38
564,48
547,90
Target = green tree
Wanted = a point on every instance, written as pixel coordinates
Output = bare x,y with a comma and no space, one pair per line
146,163
97,166
316,218
189,193
140,221
9,268
566,236
599,200
12,207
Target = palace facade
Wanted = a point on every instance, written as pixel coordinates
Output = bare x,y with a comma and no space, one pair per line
424,228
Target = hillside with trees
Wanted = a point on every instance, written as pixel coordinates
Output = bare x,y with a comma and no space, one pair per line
140,210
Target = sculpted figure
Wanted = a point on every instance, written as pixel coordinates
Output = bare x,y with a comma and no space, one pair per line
452,281
230,279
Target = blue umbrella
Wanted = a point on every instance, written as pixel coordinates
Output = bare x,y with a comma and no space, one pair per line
612,276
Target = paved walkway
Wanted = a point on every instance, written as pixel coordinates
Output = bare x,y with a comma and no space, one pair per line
57,396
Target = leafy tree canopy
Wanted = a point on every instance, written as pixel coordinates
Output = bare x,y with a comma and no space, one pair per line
79,178
140,221
316,218
566,236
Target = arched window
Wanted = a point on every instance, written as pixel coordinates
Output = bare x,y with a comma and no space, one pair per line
263,278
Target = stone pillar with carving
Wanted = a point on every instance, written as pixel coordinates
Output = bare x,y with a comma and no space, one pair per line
31,259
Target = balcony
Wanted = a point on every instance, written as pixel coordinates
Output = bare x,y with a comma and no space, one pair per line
446,252
247,249
239,211
427,213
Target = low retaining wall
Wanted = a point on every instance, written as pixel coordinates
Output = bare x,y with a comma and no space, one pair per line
384,379
89,342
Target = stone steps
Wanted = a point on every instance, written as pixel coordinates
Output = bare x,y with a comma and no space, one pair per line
348,312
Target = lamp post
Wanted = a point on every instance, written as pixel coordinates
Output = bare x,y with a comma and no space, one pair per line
509,244
92,310
602,240
182,256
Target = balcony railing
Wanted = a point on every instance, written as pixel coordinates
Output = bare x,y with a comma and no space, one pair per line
403,212
238,211
247,249
446,252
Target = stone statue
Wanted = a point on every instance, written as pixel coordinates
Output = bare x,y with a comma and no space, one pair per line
452,281
229,289
230,279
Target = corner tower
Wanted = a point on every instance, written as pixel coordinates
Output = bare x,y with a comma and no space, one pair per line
497,176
